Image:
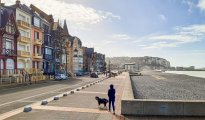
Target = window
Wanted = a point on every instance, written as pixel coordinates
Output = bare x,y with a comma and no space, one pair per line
8,44
9,64
48,51
21,17
2,64
20,65
24,33
21,47
10,27
36,22
36,35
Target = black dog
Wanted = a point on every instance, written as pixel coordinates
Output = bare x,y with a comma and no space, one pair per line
101,101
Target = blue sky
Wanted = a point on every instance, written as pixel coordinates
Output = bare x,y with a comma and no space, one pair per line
172,29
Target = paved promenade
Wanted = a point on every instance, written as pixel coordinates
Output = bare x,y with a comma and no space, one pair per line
78,106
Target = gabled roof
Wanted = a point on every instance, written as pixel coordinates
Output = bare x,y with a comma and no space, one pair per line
55,26
65,28
22,7
48,18
5,14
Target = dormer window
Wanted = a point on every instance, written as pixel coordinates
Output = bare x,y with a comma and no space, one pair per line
10,27
36,22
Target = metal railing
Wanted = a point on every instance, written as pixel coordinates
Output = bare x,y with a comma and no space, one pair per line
23,23
20,76
8,52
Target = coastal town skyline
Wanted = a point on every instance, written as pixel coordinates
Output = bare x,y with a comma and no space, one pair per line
170,29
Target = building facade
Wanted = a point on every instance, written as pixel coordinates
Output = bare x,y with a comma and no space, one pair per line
8,40
24,48
88,59
77,56
100,62
47,44
37,38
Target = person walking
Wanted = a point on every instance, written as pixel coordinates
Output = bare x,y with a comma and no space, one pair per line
111,95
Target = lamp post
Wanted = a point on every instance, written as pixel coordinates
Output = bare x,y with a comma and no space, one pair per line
109,69
66,62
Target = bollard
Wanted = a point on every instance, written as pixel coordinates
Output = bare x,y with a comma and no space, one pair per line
72,92
44,102
87,85
56,98
78,89
83,87
65,94
27,108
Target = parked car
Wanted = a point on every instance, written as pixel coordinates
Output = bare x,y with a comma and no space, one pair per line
61,75
94,75
79,74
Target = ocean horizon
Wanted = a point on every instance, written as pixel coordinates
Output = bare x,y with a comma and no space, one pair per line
200,74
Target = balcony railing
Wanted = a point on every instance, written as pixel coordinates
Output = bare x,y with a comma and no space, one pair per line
48,57
24,39
8,52
49,44
23,24
23,53
37,56
38,42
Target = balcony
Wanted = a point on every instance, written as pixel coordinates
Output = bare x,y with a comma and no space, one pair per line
48,44
23,24
38,42
48,57
37,56
24,39
23,53
8,52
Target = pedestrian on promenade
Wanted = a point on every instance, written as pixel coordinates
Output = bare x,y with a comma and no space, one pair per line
111,95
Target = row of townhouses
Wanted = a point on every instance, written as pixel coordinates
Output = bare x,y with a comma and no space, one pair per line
31,40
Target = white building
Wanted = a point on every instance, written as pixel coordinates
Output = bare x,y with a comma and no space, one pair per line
129,66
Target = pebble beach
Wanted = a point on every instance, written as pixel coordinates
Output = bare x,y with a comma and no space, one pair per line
168,86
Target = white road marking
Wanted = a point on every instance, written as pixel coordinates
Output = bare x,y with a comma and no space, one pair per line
37,95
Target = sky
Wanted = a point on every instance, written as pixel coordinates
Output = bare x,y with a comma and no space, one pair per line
171,29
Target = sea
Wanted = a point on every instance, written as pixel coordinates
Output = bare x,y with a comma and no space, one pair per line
200,74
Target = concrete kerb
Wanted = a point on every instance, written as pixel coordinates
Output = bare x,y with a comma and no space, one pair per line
65,94
44,102
56,98
27,108
144,107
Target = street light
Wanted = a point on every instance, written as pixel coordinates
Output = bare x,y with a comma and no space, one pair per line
109,69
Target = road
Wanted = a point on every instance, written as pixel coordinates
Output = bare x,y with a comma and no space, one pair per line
13,98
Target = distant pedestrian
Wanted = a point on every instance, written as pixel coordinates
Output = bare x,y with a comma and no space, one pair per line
30,76
24,75
111,95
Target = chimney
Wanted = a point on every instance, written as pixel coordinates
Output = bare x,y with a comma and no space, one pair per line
18,2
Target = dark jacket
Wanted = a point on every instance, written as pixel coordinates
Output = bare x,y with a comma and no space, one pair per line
111,94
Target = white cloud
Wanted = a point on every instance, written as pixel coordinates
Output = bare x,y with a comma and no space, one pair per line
190,4
159,45
163,17
201,4
74,13
182,35
120,37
